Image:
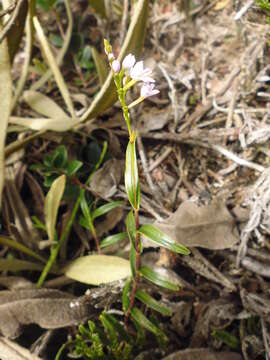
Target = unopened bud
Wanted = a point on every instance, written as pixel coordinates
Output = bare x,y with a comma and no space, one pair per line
116,66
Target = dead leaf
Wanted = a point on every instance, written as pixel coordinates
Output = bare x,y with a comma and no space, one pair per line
211,226
222,4
153,120
9,350
105,181
203,354
50,309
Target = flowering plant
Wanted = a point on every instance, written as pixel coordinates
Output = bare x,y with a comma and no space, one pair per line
126,74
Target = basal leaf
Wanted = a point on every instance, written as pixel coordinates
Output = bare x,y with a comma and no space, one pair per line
52,203
98,269
152,303
131,176
161,239
157,279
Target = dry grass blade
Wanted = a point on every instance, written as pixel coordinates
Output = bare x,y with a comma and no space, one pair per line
54,67
43,124
10,350
62,52
5,96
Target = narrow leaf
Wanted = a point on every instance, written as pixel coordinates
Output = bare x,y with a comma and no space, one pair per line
104,209
113,239
157,279
131,228
85,210
101,65
97,269
18,265
132,259
139,317
153,303
20,247
52,203
131,176
73,166
5,104
161,239
43,123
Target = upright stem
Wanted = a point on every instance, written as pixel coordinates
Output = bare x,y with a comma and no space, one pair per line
136,279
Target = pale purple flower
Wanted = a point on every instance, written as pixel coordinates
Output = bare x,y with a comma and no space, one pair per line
111,56
116,66
148,90
128,62
140,74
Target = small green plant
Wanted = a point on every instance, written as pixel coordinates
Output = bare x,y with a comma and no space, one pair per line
109,342
126,75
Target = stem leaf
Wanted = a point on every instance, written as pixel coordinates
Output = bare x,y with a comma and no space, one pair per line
104,209
161,239
113,239
132,183
157,279
153,303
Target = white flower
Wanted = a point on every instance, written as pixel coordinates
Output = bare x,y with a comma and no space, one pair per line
111,56
128,62
116,66
140,74
148,90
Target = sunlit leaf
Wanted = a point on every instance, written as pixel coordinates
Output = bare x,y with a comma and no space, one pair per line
104,209
139,317
152,303
44,105
157,279
101,65
5,104
98,269
52,203
132,183
161,239
113,239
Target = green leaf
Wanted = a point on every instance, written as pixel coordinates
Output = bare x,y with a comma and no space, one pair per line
133,44
230,340
73,166
157,279
97,269
52,203
112,239
59,157
161,239
5,96
153,303
104,209
139,317
112,334
84,223
101,65
56,40
38,224
132,183
86,212
118,327
131,228
125,295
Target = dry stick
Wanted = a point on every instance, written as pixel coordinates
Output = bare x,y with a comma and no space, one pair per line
232,106
11,20
160,159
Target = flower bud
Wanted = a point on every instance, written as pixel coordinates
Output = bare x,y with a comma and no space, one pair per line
111,56
129,62
116,66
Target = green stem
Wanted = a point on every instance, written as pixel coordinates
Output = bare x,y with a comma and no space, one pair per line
56,248
136,279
